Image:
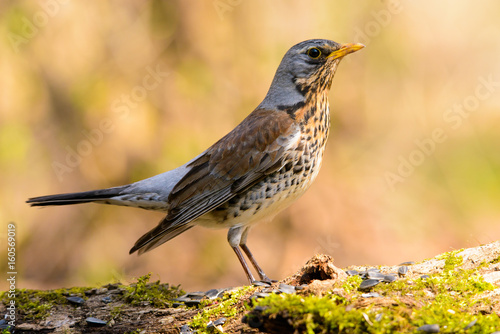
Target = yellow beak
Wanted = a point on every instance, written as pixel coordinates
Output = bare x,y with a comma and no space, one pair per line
345,49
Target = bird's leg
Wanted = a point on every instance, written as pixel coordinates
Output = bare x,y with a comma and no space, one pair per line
244,264
234,237
262,275
243,245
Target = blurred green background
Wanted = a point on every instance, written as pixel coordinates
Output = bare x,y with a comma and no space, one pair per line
412,167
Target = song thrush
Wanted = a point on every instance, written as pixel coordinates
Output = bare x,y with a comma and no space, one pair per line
253,172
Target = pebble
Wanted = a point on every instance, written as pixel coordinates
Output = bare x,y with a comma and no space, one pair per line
195,298
352,272
368,283
285,288
95,322
181,299
192,302
76,300
220,321
107,299
389,278
403,270
4,324
258,295
195,295
429,328
407,263
185,329
261,283
375,275
212,294
424,276
370,295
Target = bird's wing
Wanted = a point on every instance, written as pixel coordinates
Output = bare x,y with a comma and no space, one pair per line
255,148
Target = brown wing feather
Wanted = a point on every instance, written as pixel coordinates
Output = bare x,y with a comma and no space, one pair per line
255,148
246,154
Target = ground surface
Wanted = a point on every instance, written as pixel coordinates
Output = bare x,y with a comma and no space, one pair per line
456,292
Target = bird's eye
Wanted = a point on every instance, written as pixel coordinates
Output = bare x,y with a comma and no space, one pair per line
314,53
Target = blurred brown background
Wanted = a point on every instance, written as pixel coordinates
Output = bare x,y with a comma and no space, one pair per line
412,166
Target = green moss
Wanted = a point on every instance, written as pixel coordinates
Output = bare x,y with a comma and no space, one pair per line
155,294
351,283
451,260
452,299
36,304
227,307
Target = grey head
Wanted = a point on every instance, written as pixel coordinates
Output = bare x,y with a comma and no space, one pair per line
303,66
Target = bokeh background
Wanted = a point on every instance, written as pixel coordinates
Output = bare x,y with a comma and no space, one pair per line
412,167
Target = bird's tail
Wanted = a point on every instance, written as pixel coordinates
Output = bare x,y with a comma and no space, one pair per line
162,233
101,195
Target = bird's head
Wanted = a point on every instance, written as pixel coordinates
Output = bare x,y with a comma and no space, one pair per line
307,68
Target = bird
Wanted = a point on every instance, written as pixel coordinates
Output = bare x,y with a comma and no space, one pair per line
256,170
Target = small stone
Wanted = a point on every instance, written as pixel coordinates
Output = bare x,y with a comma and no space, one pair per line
369,283
352,272
107,299
185,329
472,323
76,300
91,321
378,317
403,270
101,291
429,328
261,283
258,295
370,295
221,293
220,321
407,263
389,278
212,293
195,295
192,302
424,277
285,288
375,275
4,324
